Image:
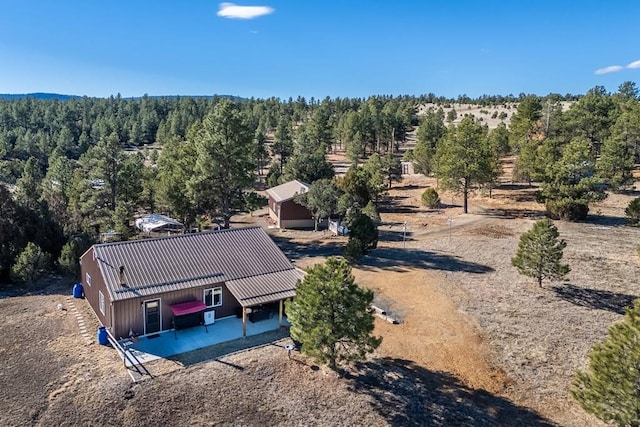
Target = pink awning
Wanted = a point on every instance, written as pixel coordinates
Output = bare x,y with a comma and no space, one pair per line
187,308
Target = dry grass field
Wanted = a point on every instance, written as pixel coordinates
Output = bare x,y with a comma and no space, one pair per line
477,344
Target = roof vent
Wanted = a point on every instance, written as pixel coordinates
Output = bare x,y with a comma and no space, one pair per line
122,281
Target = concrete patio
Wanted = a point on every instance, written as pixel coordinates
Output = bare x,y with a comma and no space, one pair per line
171,343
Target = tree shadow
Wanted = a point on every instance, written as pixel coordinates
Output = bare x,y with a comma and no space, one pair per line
630,192
397,209
399,259
594,298
512,213
295,250
605,220
393,235
406,394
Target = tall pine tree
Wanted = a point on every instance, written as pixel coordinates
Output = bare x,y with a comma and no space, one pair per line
330,316
610,389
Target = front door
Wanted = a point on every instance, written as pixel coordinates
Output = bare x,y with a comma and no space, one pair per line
152,316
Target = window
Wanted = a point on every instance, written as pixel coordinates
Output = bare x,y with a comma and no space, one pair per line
101,302
87,279
213,297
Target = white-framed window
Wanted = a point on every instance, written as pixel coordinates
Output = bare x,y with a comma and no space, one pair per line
101,302
213,297
87,279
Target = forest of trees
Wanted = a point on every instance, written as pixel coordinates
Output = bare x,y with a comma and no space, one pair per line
72,169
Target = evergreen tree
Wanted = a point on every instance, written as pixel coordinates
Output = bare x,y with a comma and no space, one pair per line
175,168
430,198
540,252
429,134
632,211
30,265
330,315
224,166
391,168
615,165
570,184
464,157
363,236
321,199
610,389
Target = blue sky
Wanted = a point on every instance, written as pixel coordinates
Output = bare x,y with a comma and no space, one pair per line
349,48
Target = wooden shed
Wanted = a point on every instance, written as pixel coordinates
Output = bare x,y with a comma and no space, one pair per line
143,287
284,210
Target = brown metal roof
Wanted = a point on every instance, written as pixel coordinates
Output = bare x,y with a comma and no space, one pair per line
266,288
153,266
287,191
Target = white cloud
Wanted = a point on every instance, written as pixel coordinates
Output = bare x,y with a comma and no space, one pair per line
609,69
233,11
616,68
634,64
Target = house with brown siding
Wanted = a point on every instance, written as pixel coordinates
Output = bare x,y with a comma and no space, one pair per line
143,287
283,209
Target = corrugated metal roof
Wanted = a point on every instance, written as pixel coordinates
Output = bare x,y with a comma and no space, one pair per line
288,190
250,291
153,266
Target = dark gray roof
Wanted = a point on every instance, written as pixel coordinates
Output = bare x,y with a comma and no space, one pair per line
265,288
153,266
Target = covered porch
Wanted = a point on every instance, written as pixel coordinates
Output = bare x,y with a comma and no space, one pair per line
264,290
171,343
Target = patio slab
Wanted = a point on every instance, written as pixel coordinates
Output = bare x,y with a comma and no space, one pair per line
171,343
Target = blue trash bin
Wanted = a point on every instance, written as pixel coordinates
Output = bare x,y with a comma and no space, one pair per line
78,290
103,338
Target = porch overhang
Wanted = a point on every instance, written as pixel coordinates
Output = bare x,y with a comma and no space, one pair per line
265,288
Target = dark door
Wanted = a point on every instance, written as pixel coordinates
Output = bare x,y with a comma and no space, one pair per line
152,316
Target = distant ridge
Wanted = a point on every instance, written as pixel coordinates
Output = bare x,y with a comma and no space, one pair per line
38,95
61,97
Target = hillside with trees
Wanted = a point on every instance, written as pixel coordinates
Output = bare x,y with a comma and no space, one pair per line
79,167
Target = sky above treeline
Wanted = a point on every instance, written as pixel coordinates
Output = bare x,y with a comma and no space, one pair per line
308,48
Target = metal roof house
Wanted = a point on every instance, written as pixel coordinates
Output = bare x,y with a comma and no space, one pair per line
283,209
152,285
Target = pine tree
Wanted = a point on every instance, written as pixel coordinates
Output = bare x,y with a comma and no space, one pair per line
30,265
330,316
610,389
540,252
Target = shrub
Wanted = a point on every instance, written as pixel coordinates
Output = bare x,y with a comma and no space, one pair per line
633,211
31,264
363,237
431,198
566,209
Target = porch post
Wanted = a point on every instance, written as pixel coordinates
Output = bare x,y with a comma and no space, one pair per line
280,318
244,322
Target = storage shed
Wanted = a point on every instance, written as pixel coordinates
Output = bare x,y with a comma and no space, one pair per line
143,287
284,210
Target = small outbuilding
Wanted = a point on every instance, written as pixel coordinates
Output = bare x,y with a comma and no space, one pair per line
157,223
284,210
142,287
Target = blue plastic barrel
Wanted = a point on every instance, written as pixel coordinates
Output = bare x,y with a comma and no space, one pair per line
77,290
103,339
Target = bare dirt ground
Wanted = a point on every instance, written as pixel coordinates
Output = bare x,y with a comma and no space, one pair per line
477,343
